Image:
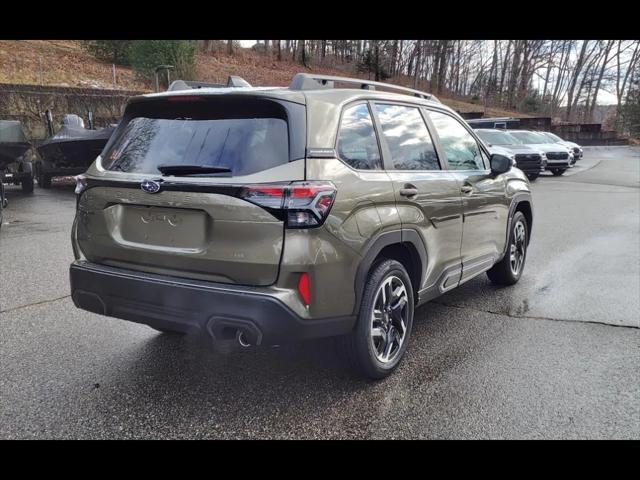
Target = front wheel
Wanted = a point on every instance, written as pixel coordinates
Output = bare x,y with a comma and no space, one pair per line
508,270
532,176
379,340
27,184
558,171
44,180
3,202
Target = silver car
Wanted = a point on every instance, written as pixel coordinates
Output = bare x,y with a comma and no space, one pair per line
530,160
559,157
577,149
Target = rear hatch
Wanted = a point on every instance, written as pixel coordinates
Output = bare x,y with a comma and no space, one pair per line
166,195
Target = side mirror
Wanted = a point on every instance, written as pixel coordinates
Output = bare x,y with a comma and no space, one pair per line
500,164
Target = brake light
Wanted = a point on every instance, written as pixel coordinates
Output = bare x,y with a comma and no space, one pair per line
185,98
304,288
299,204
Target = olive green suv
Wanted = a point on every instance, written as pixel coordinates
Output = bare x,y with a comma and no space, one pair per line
333,207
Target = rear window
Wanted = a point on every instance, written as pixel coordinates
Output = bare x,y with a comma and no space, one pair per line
243,145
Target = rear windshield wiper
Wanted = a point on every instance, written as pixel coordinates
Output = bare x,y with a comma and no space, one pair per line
190,169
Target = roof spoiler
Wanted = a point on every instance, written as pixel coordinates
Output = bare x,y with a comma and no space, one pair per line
308,81
232,82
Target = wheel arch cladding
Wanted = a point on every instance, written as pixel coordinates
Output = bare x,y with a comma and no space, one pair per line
407,255
524,206
406,248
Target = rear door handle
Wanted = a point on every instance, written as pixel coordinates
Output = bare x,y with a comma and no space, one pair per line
409,191
466,189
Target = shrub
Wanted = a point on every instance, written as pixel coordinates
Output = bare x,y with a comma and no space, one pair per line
112,51
370,64
145,55
630,111
531,103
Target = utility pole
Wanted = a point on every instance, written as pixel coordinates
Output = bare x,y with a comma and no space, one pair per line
167,68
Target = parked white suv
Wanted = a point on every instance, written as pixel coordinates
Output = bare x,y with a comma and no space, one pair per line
577,149
559,157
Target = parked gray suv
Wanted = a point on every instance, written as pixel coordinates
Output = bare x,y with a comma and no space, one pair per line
266,215
528,159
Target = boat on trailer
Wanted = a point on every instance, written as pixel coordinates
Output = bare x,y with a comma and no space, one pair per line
71,150
13,146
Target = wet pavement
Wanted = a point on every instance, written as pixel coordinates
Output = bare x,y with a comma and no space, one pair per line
555,356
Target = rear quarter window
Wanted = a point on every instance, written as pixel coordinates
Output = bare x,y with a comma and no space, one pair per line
357,143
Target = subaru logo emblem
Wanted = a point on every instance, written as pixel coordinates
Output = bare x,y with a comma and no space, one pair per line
150,186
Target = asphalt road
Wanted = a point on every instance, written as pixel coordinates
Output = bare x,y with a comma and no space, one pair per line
556,356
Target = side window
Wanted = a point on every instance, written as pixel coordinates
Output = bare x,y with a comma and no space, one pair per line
408,138
357,143
461,149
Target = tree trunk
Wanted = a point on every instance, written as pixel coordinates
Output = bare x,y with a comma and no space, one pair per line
605,61
376,56
442,70
620,88
574,79
417,64
515,72
504,71
303,54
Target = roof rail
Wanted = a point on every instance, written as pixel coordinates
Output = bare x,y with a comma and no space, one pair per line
308,81
232,81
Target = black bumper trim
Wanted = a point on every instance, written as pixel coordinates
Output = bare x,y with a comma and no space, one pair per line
193,306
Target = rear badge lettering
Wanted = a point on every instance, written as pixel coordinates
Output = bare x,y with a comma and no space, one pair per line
173,220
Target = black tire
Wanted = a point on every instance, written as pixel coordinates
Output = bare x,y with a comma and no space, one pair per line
502,273
359,346
1,202
44,180
532,176
558,171
27,184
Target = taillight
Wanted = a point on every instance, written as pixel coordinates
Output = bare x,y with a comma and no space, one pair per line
301,204
185,98
304,288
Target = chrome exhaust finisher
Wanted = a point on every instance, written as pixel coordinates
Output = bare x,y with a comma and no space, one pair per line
242,339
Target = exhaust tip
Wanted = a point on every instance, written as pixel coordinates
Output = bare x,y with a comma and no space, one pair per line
242,339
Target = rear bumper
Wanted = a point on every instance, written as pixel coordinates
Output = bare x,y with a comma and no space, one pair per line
194,306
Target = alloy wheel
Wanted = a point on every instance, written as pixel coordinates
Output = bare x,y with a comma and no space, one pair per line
517,249
389,319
